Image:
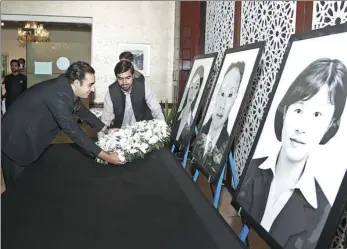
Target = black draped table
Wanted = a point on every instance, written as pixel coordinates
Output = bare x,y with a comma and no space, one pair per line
68,201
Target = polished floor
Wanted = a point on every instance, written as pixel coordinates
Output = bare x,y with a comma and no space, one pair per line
226,210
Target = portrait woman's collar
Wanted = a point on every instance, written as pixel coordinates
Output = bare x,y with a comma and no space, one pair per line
306,183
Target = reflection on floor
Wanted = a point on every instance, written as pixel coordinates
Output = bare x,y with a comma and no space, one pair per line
226,210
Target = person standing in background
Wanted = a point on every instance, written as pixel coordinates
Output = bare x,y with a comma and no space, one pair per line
22,68
15,84
128,56
3,92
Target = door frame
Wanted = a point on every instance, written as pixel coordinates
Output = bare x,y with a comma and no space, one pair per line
55,19
46,18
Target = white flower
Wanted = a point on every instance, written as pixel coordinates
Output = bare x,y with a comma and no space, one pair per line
134,138
153,140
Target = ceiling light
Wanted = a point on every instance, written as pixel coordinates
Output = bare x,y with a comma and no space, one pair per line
32,32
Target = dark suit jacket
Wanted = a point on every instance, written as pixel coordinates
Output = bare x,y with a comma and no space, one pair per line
298,225
186,132
210,163
38,115
139,75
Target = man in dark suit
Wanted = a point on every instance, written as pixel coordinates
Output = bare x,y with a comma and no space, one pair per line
38,115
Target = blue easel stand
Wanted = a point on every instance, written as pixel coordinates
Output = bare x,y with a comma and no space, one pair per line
218,191
244,233
173,148
245,230
185,157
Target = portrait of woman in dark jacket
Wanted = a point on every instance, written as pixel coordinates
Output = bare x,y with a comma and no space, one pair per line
280,191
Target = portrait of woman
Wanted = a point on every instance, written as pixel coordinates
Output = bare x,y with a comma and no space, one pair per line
211,143
281,191
185,116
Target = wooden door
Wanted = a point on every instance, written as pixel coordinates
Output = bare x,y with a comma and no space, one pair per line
192,38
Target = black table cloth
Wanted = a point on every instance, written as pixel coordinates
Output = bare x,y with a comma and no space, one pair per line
68,201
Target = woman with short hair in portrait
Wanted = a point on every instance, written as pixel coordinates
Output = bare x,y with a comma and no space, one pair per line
280,191
211,144
186,114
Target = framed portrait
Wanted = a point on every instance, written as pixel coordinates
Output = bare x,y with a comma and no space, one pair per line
184,122
142,56
293,188
213,142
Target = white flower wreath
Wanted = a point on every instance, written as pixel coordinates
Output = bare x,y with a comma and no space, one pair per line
135,141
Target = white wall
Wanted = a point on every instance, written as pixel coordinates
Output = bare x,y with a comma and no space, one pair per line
10,46
118,22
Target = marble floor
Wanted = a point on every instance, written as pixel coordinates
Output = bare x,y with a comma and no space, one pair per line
226,210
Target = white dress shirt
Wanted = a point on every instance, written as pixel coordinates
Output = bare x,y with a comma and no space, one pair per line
210,143
280,192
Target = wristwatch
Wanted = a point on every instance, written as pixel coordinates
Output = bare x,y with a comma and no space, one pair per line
105,130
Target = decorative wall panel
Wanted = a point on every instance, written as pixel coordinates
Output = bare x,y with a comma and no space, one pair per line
274,22
219,27
329,13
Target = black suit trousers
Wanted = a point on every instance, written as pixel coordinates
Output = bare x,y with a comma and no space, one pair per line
10,169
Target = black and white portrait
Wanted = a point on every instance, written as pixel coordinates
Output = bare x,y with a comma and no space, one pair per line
183,125
213,141
138,59
142,55
291,181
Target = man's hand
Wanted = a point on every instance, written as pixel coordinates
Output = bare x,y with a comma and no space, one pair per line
111,158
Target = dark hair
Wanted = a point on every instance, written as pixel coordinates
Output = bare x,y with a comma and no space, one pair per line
14,61
126,55
21,59
199,71
321,72
123,66
77,71
240,65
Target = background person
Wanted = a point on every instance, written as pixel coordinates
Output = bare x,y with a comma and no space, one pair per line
15,84
126,55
